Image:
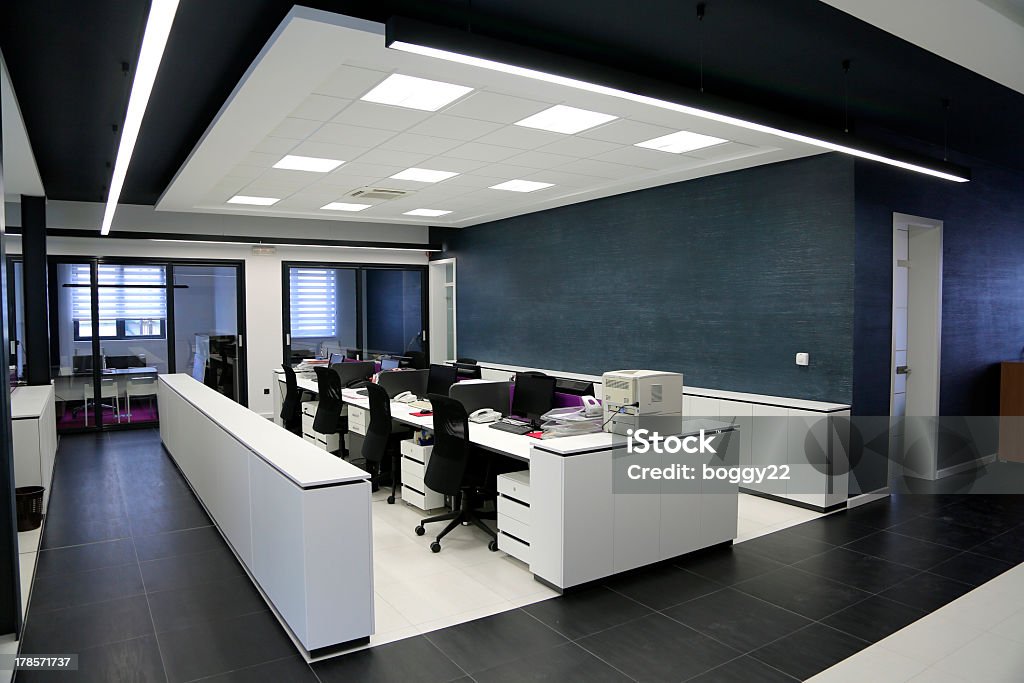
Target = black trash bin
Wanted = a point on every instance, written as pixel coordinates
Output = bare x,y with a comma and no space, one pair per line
29,505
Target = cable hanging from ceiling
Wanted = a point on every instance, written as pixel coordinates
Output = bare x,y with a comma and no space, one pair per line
701,7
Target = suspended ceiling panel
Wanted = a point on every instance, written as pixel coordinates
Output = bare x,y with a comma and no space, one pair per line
303,96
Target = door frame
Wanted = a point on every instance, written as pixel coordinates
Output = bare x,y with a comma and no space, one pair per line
438,319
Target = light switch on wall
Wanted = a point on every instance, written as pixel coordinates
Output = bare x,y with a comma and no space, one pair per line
803,359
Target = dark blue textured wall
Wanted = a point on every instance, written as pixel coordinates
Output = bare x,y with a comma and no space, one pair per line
724,278
982,286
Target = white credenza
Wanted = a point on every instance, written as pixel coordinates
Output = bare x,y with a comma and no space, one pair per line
809,437
34,429
297,517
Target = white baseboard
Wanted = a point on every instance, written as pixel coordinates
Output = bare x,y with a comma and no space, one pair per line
865,498
966,466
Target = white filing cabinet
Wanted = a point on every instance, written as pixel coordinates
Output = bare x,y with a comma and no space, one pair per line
34,433
414,464
514,535
328,442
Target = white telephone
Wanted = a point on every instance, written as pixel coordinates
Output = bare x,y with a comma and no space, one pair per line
405,397
484,415
591,406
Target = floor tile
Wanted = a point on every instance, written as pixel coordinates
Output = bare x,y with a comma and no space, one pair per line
207,648
387,618
85,557
413,660
837,529
662,586
288,670
743,670
944,532
811,596
736,619
171,519
71,530
77,628
926,591
432,597
567,663
931,639
176,543
786,548
869,573
189,570
872,664
448,620
903,550
28,541
130,661
581,613
971,568
656,648
211,601
874,618
98,585
505,575
728,565
990,658
489,642
809,651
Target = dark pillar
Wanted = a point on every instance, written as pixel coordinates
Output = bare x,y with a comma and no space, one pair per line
33,250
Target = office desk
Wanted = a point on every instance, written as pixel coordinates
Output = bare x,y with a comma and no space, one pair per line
297,517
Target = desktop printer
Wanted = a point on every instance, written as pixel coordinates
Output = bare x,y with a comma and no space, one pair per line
630,396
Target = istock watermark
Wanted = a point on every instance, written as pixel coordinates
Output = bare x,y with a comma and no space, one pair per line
645,441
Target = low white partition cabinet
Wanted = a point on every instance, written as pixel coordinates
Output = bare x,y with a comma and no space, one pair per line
297,517
34,432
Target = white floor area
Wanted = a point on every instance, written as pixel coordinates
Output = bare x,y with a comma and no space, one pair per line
28,549
978,637
759,516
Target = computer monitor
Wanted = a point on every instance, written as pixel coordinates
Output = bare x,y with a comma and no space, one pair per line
81,364
335,358
440,378
534,395
352,354
468,370
388,363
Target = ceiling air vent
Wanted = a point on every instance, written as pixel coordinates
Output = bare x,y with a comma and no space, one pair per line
380,193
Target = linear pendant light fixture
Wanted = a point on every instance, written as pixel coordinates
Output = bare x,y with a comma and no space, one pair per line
416,37
158,27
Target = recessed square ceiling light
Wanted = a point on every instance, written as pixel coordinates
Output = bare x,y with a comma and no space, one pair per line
255,201
343,206
426,212
424,175
521,186
563,119
292,162
683,141
415,93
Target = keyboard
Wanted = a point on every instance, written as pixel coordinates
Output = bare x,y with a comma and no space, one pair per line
421,405
507,424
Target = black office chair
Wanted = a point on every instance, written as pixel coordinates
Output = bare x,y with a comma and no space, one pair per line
417,360
468,370
466,361
291,407
456,470
381,440
328,418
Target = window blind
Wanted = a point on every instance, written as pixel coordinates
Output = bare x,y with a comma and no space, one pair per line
120,303
313,302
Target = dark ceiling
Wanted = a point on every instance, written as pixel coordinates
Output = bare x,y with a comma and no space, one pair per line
65,59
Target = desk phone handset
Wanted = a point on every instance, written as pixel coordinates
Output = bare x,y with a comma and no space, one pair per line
405,397
591,406
484,415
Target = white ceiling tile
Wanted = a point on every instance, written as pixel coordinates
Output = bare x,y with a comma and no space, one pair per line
644,158
626,132
344,134
725,150
490,106
393,157
454,127
520,138
296,129
420,144
575,146
351,82
232,184
562,178
319,107
327,150
539,159
383,116
333,183
506,171
258,188
259,159
601,169
474,181
450,163
481,152
247,171
357,168
287,178
280,146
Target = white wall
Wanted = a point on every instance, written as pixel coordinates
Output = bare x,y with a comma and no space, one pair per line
262,283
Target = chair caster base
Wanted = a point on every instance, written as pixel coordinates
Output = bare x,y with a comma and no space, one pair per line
492,546
391,500
420,530
435,547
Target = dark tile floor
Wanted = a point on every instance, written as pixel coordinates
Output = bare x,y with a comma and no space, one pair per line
133,578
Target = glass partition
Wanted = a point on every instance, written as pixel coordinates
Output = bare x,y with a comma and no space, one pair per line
321,313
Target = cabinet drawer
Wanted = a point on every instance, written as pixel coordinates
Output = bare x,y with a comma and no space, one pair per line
515,485
414,451
514,527
309,408
413,468
514,548
357,420
416,494
310,438
514,509
328,442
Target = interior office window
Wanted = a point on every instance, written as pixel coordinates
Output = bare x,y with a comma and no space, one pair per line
313,302
132,302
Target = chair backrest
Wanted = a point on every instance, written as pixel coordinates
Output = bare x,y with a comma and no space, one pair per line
476,395
440,378
144,385
354,373
466,361
417,359
396,381
468,370
378,430
291,407
447,467
328,410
